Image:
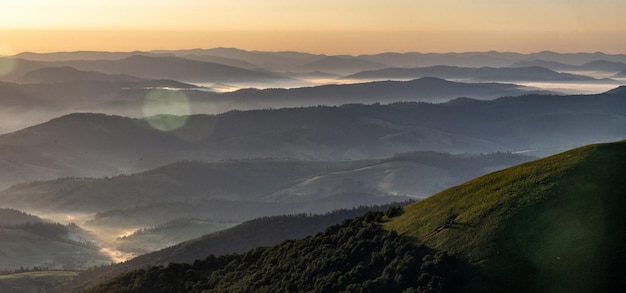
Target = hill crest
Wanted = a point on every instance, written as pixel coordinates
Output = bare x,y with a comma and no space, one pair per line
534,224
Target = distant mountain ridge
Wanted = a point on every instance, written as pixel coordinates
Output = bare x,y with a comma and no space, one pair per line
69,74
151,67
596,65
56,91
425,89
533,122
508,74
294,61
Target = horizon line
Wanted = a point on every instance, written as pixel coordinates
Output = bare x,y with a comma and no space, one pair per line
312,53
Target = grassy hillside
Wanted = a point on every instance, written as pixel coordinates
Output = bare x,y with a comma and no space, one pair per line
551,224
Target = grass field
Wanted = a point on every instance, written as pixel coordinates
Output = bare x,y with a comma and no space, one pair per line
538,224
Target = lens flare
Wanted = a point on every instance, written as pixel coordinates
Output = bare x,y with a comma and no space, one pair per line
166,110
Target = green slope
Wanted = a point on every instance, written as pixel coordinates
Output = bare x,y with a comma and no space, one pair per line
555,224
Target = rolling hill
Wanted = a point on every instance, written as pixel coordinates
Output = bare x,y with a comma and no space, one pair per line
222,193
554,224
534,226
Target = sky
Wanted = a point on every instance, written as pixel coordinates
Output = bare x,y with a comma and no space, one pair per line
316,26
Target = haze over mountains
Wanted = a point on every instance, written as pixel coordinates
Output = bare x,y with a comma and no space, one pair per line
132,152
100,145
223,193
102,81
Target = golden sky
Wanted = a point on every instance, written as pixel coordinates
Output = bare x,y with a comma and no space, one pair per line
317,26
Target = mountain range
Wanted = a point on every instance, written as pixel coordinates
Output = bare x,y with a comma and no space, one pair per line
293,61
62,90
98,145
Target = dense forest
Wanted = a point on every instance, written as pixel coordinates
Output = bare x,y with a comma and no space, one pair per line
357,255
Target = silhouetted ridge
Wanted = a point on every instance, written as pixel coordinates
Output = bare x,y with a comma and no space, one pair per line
618,91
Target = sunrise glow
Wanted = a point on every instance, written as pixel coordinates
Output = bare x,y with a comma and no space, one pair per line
321,26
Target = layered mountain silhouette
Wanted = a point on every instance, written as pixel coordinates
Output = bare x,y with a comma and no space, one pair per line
100,145
424,89
597,65
150,67
55,91
501,74
70,74
302,62
341,65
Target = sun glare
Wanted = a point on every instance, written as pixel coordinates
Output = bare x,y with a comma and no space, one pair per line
166,110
